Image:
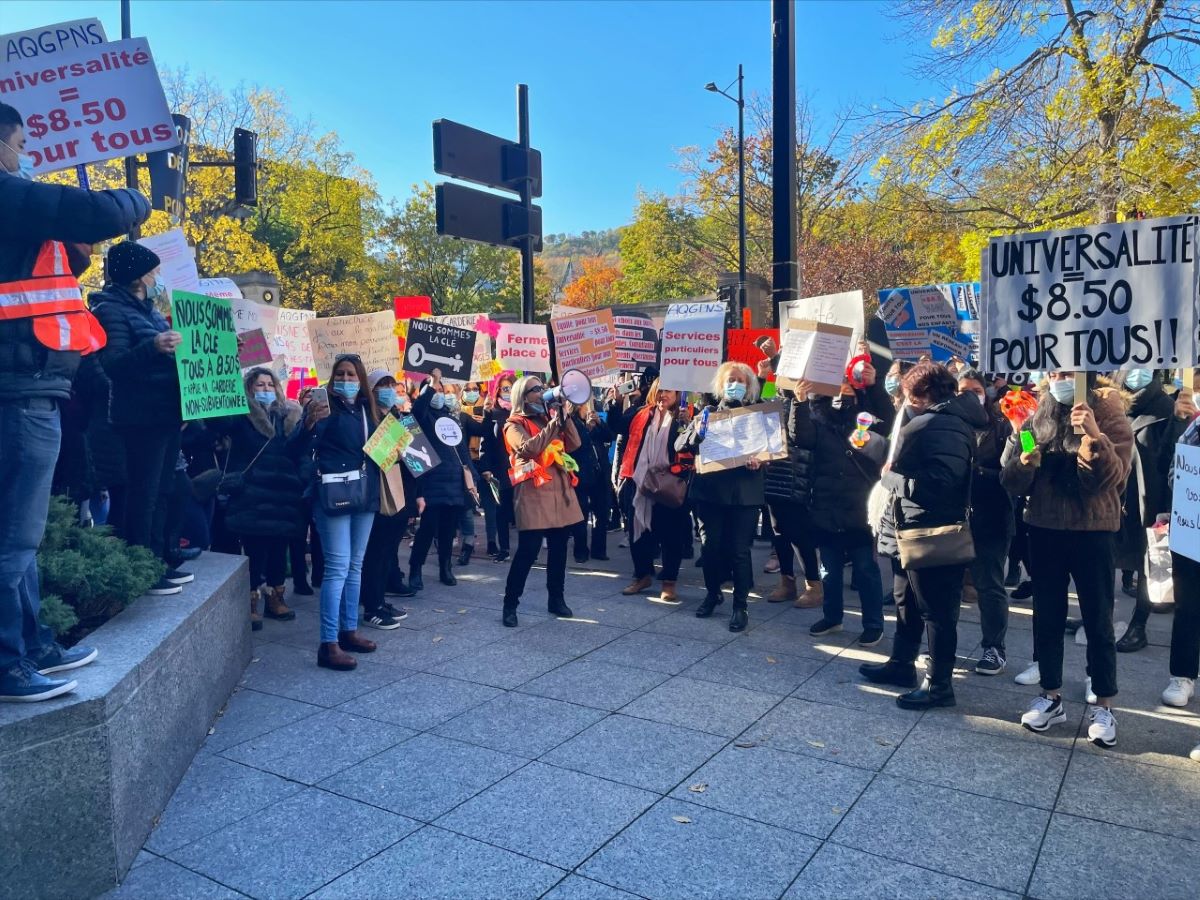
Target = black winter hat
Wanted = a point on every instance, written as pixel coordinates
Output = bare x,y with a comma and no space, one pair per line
128,261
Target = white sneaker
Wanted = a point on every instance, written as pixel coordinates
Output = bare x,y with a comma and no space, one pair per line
1195,754
1089,695
1031,675
1044,712
1179,691
1103,728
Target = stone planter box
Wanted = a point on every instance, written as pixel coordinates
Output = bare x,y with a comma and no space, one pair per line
83,777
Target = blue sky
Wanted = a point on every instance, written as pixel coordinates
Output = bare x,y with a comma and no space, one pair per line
615,87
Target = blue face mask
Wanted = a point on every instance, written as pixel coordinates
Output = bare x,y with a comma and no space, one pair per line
438,401
892,385
1063,391
537,407
1178,382
266,398
735,390
1136,379
156,290
24,164
386,397
348,389
452,404
471,396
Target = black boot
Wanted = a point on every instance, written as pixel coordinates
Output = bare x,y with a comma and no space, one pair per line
711,602
396,586
558,607
927,698
492,549
509,615
891,672
464,555
415,581
446,574
739,619
1133,639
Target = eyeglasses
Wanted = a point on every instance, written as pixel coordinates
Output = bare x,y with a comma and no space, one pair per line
534,389
347,357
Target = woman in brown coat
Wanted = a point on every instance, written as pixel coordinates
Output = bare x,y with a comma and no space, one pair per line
537,440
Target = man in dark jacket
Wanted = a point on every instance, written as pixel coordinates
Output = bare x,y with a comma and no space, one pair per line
44,328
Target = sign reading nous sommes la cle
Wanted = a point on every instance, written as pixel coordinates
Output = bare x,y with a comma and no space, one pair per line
1093,299
89,103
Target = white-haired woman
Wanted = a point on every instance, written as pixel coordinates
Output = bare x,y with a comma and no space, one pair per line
726,502
538,441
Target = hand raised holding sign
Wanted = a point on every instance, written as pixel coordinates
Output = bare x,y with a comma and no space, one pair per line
165,342
1082,417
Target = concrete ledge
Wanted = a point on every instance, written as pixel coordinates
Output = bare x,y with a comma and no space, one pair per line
83,778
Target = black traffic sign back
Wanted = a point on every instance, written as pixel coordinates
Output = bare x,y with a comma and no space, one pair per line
473,215
472,155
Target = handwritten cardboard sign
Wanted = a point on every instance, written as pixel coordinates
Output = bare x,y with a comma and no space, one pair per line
210,374
814,352
736,436
371,336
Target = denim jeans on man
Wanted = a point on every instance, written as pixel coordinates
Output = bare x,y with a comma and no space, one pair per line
344,542
30,433
835,548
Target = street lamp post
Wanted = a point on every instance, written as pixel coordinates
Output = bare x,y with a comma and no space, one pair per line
741,105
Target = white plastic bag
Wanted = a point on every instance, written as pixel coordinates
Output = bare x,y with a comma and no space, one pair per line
1158,563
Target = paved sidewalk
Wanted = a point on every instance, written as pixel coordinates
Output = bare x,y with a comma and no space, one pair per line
640,751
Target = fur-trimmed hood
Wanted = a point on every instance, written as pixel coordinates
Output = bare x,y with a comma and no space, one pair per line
261,417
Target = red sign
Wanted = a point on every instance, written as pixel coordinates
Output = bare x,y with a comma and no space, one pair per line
740,345
410,308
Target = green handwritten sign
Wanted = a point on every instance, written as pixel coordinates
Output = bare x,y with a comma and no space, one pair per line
210,374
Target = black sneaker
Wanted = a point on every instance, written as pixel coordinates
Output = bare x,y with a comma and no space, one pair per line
382,621
397,614
178,576
163,588
871,637
993,662
1024,591
824,626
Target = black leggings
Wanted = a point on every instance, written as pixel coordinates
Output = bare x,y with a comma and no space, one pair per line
439,520
726,533
793,528
529,544
382,548
268,560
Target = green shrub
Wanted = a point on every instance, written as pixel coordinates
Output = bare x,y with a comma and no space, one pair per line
87,574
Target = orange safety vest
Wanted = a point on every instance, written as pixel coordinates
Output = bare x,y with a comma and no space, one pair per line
523,469
52,298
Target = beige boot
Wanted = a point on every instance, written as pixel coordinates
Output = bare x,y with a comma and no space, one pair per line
668,593
786,590
813,596
637,586
276,608
255,618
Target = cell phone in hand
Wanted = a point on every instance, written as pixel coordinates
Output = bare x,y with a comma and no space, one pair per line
625,387
319,395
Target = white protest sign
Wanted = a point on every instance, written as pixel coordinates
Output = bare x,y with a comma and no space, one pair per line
586,341
225,288
249,315
89,104
177,258
1185,503
909,346
370,336
845,309
693,339
291,338
1092,299
523,348
483,342
733,437
816,353
448,431
52,40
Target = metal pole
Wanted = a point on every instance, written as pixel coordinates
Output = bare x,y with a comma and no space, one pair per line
527,298
741,294
131,176
785,266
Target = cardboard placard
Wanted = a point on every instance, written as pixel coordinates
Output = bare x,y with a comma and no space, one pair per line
210,376
736,436
371,336
845,309
693,343
523,348
814,352
586,341
432,346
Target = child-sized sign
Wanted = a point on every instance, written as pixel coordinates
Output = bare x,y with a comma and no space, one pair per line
693,339
370,336
1092,299
419,455
210,375
387,442
816,353
586,341
1185,503
254,351
523,348
432,346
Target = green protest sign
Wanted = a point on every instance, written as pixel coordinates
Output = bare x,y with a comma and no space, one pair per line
210,374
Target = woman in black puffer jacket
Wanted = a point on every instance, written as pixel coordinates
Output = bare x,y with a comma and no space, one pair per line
929,480
787,486
267,510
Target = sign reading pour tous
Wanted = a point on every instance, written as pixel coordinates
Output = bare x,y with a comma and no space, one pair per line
693,338
586,341
1092,299
210,374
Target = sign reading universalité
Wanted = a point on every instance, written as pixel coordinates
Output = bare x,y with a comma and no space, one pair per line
1092,299
210,375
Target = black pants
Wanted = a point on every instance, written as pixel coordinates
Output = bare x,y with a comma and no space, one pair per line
668,529
793,529
439,521
1056,557
529,544
1185,631
593,500
177,508
1018,548
1141,611
151,453
505,518
726,533
928,599
268,560
987,574
382,549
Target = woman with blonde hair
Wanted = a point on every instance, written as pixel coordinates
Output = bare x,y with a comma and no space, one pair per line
726,502
541,472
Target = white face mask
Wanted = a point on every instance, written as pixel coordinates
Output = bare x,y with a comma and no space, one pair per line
1063,391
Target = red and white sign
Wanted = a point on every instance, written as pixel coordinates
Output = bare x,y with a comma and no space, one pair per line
693,338
523,348
89,104
586,341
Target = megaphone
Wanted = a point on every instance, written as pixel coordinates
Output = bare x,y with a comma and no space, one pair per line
574,386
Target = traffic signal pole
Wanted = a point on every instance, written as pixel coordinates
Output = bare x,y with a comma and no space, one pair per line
785,264
131,176
527,297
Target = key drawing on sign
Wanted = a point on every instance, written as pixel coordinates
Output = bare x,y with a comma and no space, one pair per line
417,355
419,454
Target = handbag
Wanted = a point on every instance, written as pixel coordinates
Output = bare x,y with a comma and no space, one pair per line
233,484
342,493
664,487
391,491
939,545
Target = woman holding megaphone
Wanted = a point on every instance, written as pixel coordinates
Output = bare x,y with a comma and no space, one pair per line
539,438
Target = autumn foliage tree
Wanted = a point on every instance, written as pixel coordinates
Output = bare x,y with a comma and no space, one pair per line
595,286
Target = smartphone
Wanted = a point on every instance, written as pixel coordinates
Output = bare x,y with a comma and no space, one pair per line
319,395
626,387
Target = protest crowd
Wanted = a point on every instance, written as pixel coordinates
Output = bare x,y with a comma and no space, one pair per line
922,480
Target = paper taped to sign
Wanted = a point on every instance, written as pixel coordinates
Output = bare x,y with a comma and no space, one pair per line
845,309
736,436
816,353
693,338
1092,299
369,336
586,341
935,320
50,41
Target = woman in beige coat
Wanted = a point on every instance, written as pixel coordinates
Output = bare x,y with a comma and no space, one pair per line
538,441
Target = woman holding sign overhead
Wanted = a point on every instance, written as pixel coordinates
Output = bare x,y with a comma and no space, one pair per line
727,501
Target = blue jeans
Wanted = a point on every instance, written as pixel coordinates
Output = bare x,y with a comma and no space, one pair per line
344,542
835,549
30,433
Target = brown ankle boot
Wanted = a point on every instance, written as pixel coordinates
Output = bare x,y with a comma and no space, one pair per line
255,618
637,586
276,608
668,592
813,596
785,592
331,656
350,640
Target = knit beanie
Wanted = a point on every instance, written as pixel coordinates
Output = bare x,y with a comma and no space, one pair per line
128,261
